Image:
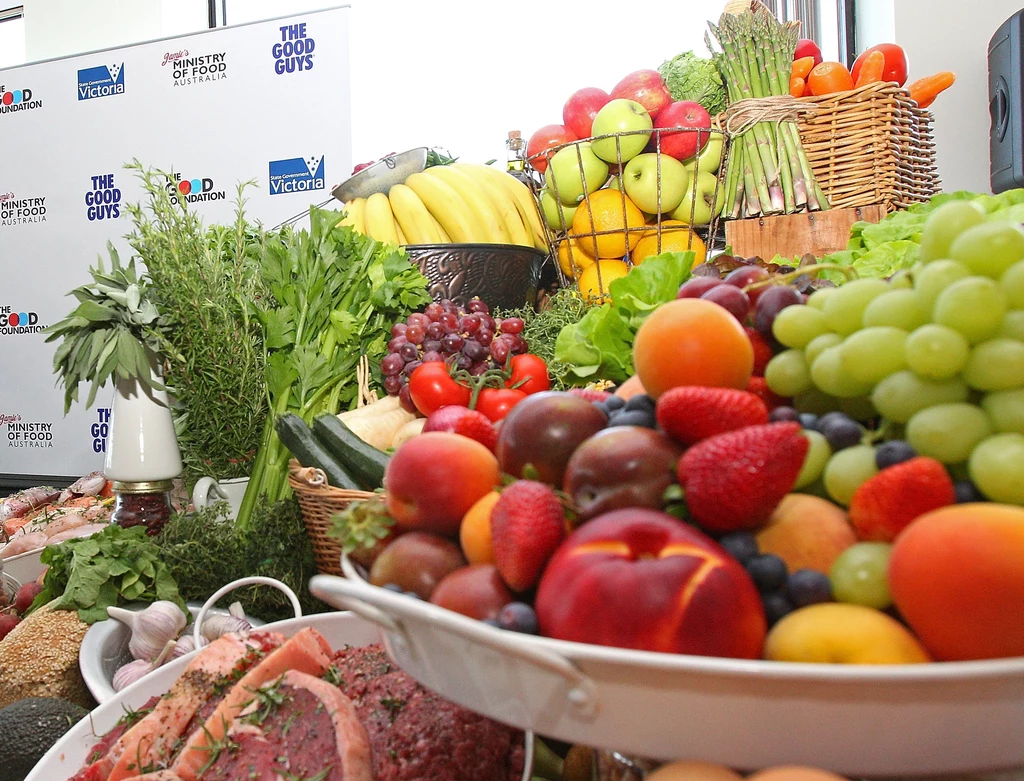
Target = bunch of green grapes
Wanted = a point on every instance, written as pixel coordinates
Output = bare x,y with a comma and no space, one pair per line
937,352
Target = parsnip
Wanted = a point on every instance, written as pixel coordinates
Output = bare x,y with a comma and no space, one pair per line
377,423
408,431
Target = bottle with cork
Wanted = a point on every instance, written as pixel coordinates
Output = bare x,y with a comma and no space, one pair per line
517,157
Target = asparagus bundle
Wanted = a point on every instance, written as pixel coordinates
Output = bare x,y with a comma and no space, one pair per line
768,171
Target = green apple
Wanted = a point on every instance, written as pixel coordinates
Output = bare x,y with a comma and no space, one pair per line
556,215
627,127
614,183
706,206
641,176
710,157
575,171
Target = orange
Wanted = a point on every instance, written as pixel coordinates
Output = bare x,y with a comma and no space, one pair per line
676,236
475,530
572,257
602,221
690,341
594,279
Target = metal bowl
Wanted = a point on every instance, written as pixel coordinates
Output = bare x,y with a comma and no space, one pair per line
504,276
379,177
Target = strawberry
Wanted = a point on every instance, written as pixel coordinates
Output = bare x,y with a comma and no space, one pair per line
590,394
759,387
478,426
527,525
883,505
763,351
691,413
734,481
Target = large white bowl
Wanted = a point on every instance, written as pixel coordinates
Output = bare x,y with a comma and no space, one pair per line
858,720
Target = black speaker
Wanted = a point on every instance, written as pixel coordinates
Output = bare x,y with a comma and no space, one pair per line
1006,104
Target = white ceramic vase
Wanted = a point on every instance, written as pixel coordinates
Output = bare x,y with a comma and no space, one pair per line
141,446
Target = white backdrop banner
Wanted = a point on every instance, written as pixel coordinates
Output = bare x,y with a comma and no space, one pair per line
267,101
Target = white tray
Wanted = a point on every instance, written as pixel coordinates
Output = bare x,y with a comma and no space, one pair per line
857,720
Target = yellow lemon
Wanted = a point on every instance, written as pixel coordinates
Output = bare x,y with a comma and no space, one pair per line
676,236
606,224
594,279
572,258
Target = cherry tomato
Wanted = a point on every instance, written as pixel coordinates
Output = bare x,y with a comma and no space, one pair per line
895,68
529,374
431,387
495,403
828,77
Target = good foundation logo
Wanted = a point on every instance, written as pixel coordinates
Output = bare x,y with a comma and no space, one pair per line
103,201
24,435
101,81
296,175
18,321
294,52
194,190
15,210
188,70
12,100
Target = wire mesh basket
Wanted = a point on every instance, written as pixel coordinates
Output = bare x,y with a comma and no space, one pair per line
610,201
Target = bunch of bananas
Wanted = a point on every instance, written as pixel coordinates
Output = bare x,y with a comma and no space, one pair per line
462,203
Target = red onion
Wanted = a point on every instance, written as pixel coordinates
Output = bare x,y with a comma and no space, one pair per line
444,419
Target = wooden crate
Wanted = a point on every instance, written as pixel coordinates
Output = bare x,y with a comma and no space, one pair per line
792,235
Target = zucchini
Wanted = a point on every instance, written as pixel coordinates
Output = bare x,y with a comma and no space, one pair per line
297,436
364,461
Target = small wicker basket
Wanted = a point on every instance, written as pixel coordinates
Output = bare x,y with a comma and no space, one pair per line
318,502
871,145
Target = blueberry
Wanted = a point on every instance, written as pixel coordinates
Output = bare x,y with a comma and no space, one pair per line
780,414
633,417
809,421
393,587
518,617
613,403
768,572
603,407
808,587
840,431
640,401
893,452
776,606
967,492
742,546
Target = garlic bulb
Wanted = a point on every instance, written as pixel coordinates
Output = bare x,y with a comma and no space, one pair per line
151,628
129,673
221,624
185,644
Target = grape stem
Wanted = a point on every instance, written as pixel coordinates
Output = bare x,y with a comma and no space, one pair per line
781,279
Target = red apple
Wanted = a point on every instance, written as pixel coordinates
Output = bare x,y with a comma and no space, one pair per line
547,137
647,88
805,47
579,110
688,114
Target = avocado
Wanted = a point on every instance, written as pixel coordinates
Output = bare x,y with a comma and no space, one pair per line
28,728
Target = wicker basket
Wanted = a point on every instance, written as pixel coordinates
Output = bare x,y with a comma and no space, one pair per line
871,145
318,502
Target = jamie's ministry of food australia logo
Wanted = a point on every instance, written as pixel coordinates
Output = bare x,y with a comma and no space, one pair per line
189,70
101,81
17,321
296,175
12,100
103,201
194,190
16,210
294,52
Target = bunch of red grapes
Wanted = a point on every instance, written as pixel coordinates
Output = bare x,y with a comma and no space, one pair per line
467,338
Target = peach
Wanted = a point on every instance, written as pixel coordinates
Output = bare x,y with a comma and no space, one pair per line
832,632
957,577
807,532
794,773
433,479
693,771
418,562
639,578
476,591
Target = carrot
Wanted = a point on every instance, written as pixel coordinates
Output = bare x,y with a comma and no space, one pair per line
924,90
871,69
797,85
802,67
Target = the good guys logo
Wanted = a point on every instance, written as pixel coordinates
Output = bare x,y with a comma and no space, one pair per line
17,100
14,321
296,175
294,52
101,81
198,189
103,201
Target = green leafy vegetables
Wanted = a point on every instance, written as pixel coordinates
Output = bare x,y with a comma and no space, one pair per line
113,567
689,77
